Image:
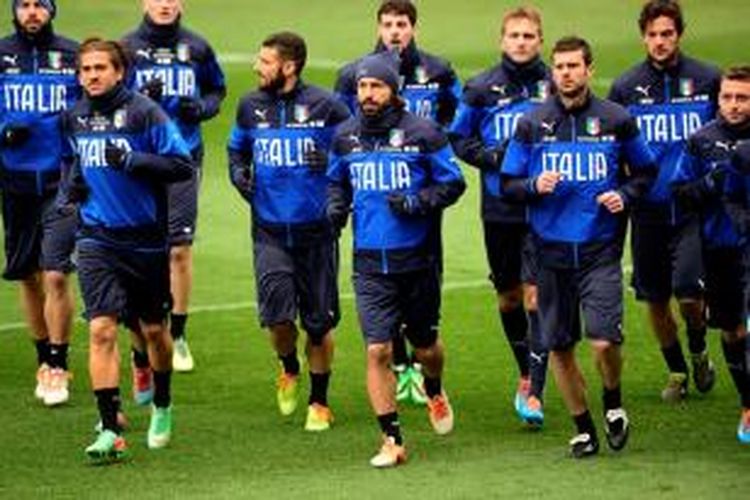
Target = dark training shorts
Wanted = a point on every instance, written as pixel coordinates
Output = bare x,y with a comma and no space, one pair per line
725,288
386,301
510,254
183,206
131,285
37,237
298,280
594,291
667,260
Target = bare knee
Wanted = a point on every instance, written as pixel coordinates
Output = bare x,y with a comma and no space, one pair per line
103,334
379,354
55,283
180,256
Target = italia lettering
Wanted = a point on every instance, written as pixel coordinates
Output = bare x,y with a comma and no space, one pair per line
91,150
282,152
420,107
672,127
505,125
380,176
178,81
34,98
576,167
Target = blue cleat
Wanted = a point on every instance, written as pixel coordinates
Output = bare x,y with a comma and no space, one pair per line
743,430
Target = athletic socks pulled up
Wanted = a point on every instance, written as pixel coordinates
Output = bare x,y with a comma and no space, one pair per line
391,427
290,363
42,351
674,358
108,403
736,355
516,325
177,325
319,388
162,388
58,356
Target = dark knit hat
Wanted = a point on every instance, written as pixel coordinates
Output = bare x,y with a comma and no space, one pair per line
382,66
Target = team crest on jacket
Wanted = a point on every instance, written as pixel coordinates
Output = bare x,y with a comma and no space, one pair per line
687,87
397,138
301,113
420,74
593,125
119,119
542,89
54,58
183,52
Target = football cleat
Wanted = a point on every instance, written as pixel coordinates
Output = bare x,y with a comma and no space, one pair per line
676,388
389,455
441,413
583,445
108,446
42,381
533,412
319,418
743,430
182,358
416,388
704,373
617,427
403,382
143,385
522,394
57,387
287,388
160,427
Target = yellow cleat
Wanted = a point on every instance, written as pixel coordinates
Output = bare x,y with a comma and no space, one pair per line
319,418
287,388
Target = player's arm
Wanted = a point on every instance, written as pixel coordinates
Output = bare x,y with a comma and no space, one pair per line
693,183
465,136
73,189
339,192
515,172
213,86
449,97
642,169
240,154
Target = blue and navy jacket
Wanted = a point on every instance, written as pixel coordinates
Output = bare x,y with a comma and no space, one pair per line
429,85
187,66
122,208
396,152
670,105
709,149
38,82
491,106
271,134
588,146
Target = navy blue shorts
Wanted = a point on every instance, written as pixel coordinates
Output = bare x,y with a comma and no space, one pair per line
298,280
595,291
183,206
386,301
725,288
667,260
510,254
131,285
37,237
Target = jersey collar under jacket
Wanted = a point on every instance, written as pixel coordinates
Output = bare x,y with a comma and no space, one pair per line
577,111
409,58
41,38
107,103
162,35
383,122
529,72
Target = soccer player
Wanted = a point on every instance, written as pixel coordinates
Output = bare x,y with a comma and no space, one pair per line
430,89
671,96
492,104
396,172
567,158
705,181
37,77
178,69
278,159
123,152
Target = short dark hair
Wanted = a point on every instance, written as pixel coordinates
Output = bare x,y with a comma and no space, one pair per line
290,46
572,44
740,73
662,8
399,8
116,51
526,12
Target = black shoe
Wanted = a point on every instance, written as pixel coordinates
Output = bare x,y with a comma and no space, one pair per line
618,428
584,445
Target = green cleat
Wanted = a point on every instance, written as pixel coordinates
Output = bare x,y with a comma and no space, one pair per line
160,428
319,418
108,447
416,387
287,389
403,382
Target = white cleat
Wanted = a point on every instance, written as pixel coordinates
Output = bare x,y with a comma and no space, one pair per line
182,359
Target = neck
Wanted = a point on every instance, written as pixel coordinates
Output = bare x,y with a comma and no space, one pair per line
41,37
575,101
289,85
667,63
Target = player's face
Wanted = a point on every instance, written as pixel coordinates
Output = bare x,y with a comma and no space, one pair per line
97,74
162,12
521,40
31,15
734,101
271,69
570,73
395,31
662,40
373,95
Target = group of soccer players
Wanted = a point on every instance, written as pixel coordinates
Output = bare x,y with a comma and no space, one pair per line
101,149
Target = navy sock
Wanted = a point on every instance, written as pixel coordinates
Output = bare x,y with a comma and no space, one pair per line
736,354
42,351
584,424
432,386
390,426
319,388
162,388
612,398
58,356
538,357
696,340
290,363
674,358
516,327
177,325
140,358
400,356
108,402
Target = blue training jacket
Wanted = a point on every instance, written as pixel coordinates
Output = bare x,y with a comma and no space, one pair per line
490,108
270,137
669,105
708,150
588,147
122,207
429,85
187,66
38,82
395,153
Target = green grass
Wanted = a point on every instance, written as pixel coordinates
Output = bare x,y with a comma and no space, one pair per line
230,441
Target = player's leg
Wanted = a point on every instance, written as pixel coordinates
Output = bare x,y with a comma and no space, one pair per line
538,355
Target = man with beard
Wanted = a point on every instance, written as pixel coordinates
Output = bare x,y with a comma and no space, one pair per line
278,158
567,158
706,182
396,172
492,104
178,69
37,78
671,95
430,89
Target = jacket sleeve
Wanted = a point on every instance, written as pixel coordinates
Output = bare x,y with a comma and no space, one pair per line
240,155
446,180
168,158
212,84
339,192
466,140
640,159
517,183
